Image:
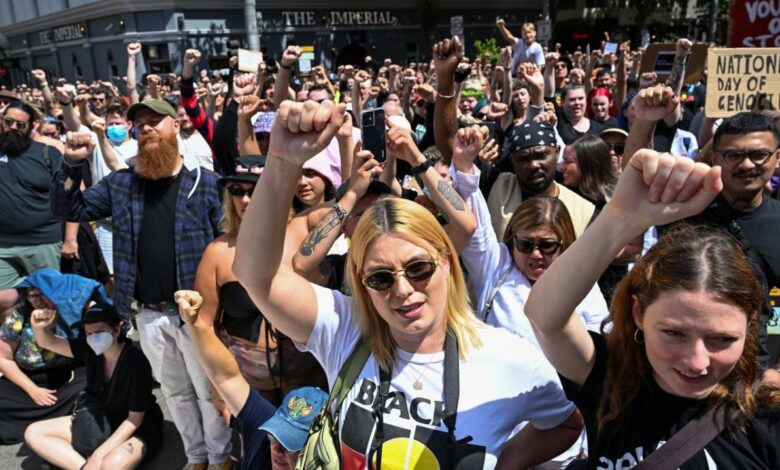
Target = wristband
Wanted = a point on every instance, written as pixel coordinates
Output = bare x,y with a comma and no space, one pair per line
44,84
444,97
66,103
286,67
422,167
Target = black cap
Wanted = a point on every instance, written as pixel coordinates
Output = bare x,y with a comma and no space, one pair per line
247,170
98,312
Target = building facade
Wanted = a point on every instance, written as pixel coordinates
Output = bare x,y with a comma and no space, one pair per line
86,39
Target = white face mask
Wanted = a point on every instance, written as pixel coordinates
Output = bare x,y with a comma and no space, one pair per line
100,341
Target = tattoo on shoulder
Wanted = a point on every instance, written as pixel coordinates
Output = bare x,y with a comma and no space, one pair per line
320,232
450,195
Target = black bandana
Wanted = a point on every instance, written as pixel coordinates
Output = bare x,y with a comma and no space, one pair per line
529,134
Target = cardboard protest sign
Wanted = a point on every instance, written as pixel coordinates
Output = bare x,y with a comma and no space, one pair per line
659,58
754,23
306,59
249,60
744,79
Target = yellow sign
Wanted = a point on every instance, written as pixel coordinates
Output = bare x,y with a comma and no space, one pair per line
744,79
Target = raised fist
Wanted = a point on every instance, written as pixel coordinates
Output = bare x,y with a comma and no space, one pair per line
133,49
192,57
500,22
78,146
427,92
291,55
189,302
653,103
99,127
401,144
468,143
248,106
683,46
244,84
446,57
42,317
302,130
39,75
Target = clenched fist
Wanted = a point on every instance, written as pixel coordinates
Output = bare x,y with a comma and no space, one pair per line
78,146
189,302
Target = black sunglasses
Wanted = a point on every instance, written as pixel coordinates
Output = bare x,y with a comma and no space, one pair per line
416,271
238,191
21,125
736,157
618,148
547,247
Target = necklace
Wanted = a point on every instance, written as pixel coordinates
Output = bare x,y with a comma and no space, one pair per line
417,384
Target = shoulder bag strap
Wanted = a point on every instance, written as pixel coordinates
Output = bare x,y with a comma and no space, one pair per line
686,442
348,374
451,396
489,304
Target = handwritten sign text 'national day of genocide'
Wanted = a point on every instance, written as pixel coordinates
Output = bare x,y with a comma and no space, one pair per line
742,79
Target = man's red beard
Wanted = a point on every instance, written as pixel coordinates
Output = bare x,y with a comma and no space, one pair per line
158,156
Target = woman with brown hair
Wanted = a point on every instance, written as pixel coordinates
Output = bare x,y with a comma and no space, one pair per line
684,335
588,170
268,360
502,273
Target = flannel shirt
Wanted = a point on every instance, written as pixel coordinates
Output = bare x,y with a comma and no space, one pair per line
120,195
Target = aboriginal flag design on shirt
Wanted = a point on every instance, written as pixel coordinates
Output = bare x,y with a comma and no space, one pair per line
415,436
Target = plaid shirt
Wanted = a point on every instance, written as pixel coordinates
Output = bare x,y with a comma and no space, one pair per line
120,196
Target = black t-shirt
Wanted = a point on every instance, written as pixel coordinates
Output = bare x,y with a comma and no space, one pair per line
25,207
758,229
131,392
569,134
156,279
654,419
609,123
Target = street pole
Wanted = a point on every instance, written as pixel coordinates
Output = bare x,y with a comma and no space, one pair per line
250,19
713,20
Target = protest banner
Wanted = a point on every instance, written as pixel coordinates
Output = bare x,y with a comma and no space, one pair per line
659,58
742,79
754,23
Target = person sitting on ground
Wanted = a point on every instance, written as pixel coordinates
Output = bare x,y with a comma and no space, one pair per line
119,376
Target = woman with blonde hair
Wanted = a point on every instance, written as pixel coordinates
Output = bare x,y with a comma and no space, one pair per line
682,350
431,365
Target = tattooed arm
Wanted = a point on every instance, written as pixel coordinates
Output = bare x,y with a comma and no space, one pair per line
462,221
676,78
310,261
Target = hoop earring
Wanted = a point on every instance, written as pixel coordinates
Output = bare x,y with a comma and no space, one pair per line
637,338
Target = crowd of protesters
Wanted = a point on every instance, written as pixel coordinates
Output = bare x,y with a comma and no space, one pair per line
556,261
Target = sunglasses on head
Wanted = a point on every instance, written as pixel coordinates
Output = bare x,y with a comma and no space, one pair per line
545,246
21,125
416,271
238,191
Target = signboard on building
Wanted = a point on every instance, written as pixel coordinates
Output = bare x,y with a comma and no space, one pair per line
754,23
68,32
744,79
325,18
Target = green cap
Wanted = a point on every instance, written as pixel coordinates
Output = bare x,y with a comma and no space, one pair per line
158,106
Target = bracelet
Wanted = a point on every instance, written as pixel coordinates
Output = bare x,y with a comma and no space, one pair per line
286,67
66,103
422,167
340,212
445,97
44,84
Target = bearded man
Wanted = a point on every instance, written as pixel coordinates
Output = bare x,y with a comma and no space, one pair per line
30,236
163,216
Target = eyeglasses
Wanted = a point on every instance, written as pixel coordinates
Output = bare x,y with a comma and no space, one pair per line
238,191
561,66
21,125
545,246
736,157
416,271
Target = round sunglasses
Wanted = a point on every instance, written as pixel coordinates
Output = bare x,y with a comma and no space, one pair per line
415,271
238,191
545,246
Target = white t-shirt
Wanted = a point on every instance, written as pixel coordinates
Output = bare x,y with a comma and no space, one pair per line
487,260
503,383
196,150
123,151
522,52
